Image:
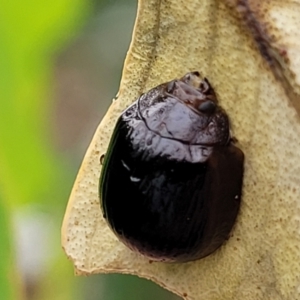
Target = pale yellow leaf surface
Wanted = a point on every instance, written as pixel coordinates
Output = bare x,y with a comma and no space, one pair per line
261,259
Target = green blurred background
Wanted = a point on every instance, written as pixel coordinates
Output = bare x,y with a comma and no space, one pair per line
60,66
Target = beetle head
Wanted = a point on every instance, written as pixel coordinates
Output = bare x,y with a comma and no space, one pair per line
185,110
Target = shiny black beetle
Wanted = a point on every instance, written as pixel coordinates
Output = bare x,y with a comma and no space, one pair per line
171,182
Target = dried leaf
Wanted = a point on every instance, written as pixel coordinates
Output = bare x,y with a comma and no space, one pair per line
172,37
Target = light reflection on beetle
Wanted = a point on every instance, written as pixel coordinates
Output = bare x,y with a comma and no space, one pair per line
171,181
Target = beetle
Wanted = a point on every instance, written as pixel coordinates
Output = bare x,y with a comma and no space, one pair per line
171,182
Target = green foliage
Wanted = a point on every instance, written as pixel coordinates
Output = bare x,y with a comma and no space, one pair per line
30,32
9,280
